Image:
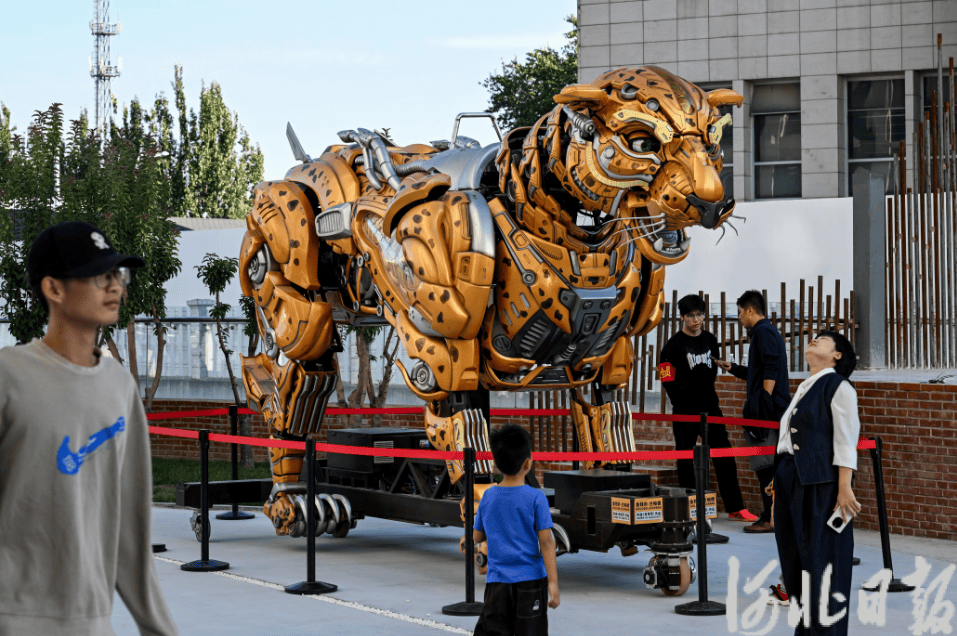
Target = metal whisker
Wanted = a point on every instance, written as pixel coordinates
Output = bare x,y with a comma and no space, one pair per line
653,227
724,230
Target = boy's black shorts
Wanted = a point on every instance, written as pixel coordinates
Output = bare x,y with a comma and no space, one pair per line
514,608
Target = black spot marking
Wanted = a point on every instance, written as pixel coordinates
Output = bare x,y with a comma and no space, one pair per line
454,352
432,243
421,271
283,193
295,261
507,262
541,292
445,296
302,222
442,434
573,279
441,368
417,218
523,314
440,318
548,303
431,350
312,173
505,295
558,315
417,231
417,186
419,344
432,296
582,257
328,192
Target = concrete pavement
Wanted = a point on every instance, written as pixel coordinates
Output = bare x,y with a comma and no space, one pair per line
394,578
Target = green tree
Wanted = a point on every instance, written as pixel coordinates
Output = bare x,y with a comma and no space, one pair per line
216,163
121,187
216,273
523,91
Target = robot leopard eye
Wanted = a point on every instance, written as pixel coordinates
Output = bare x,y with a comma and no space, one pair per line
645,144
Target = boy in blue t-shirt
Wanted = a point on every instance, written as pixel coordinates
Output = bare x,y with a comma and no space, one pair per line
515,521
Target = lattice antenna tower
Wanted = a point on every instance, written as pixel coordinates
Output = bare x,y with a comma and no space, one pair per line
101,68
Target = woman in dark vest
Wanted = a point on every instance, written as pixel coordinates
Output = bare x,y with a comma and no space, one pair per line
816,457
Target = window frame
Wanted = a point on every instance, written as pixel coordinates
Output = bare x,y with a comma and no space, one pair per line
868,77
754,140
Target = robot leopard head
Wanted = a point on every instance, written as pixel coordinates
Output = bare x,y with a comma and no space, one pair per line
644,143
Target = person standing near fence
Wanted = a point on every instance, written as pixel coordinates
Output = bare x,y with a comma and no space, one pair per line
687,371
76,478
815,462
768,394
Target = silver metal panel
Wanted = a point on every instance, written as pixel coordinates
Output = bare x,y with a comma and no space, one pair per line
481,225
334,223
464,165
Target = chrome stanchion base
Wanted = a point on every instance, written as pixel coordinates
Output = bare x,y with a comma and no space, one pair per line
701,608
311,587
239,515
463,609
204,566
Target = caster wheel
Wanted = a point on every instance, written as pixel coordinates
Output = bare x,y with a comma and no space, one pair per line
196,522
685,569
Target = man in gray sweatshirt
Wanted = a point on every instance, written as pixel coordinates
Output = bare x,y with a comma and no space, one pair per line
75,475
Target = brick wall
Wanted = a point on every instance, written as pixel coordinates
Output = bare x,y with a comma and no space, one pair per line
918,423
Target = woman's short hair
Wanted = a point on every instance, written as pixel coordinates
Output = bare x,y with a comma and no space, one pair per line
848,361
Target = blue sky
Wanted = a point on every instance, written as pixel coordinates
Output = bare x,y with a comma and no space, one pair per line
324,66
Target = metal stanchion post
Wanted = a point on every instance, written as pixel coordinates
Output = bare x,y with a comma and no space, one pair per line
311,585
469,607
710,537
703,606
896,585
235,514
204,564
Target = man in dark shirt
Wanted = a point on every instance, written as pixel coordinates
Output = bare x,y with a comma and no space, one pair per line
687,371
768,393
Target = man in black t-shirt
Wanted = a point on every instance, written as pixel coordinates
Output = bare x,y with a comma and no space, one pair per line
687,371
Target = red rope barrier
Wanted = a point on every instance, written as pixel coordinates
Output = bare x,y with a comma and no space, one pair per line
864,444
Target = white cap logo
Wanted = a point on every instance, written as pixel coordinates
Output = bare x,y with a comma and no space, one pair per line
99,240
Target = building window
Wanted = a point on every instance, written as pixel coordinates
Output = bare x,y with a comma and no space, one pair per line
777,141
875,128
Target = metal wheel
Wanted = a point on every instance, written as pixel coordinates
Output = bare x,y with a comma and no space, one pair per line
685,570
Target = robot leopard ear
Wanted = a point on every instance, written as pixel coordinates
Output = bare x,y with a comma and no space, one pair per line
722,96
587,94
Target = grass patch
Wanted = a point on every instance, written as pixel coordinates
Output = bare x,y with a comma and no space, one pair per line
169,472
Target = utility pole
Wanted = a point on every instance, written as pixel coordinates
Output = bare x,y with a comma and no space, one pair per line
101,68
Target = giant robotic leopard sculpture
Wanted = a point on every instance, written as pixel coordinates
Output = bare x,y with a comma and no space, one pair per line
524,265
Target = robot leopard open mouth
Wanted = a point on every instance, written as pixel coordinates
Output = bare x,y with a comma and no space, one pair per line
528,264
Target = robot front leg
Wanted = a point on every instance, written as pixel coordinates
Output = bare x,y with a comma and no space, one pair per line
292,399
455,423
452,425
604,427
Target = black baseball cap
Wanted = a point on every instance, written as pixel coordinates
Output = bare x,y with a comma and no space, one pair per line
74,249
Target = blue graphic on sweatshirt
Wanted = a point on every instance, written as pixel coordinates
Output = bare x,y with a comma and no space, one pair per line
69,462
